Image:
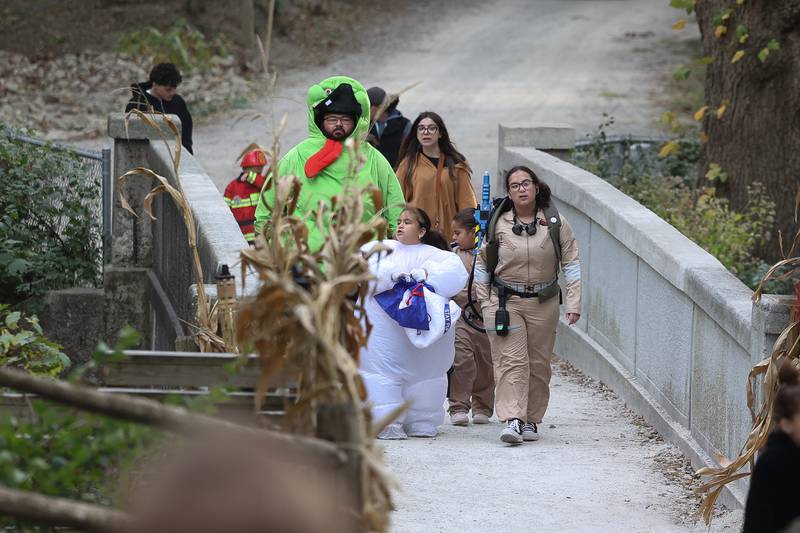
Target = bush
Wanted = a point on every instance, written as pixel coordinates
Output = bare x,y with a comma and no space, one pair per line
181,44
60,451
50,228
668,186
28,349
68,454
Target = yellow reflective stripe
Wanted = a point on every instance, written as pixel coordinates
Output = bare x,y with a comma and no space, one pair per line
243,202
249,236
254,197
227,200
251,177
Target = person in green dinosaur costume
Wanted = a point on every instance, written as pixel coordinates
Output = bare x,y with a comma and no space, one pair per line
338,108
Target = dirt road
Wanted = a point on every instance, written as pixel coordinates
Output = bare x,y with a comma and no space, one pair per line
490,62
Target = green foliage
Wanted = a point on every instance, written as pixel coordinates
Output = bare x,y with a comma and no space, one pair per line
772,46
681,73
182,44
50,230
667,186
59,451
688,5
23,345
68,454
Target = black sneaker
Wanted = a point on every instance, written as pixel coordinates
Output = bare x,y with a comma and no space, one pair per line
512,433
530,432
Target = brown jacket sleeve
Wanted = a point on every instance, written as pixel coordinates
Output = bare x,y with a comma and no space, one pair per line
402,168
465,195
571,267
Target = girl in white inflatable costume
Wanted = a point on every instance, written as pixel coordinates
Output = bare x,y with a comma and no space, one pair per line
393,369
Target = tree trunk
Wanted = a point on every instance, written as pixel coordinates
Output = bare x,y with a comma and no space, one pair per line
758,136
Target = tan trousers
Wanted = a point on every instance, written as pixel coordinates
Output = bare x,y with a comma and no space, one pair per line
472,379
522,358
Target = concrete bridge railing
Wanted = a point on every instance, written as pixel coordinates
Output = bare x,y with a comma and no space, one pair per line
663,323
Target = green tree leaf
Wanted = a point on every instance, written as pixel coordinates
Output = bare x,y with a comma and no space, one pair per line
682,73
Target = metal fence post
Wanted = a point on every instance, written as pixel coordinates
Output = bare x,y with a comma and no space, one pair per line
106,205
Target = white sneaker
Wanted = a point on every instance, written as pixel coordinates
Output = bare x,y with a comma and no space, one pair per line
530,432
393,432
459,419
480,418
512,433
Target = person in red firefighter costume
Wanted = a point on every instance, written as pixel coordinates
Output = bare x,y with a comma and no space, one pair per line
241,194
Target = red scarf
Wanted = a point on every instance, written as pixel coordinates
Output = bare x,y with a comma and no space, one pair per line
329,153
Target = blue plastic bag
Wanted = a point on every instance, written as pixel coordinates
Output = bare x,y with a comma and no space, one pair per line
405,303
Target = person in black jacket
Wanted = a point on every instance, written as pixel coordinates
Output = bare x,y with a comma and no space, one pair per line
772,503
159,94
390,128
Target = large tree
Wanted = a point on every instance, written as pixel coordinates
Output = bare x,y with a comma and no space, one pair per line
752,89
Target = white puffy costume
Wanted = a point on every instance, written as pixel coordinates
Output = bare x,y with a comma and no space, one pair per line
393,369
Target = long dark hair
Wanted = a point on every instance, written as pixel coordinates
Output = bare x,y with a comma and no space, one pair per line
411,147
543,196
431,237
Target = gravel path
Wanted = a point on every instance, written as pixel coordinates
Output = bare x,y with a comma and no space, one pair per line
597,467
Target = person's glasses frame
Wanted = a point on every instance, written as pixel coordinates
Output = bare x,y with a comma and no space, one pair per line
522,185
344,121
428,129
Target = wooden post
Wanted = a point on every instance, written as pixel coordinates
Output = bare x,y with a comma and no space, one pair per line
339,424
60,511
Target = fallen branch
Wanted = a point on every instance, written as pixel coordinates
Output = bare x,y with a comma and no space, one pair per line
60,511
173,419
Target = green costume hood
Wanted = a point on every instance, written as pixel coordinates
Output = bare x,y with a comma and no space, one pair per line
332,180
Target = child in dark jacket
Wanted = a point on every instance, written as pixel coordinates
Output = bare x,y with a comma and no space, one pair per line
772,503
242,193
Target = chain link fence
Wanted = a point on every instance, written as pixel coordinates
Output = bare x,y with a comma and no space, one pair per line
93,169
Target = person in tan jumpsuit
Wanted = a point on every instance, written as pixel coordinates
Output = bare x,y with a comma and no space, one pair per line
472,379
526,270
434,175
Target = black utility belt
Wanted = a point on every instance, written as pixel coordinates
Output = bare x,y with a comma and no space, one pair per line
543,291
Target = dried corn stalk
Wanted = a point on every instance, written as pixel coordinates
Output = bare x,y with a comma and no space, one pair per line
313,333
787,347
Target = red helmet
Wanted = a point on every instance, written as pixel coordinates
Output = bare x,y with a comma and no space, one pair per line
254,158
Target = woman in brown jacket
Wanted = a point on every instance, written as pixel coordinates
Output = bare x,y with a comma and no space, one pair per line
434,175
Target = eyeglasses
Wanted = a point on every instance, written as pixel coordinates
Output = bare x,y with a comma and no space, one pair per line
428,129
522,185
338,120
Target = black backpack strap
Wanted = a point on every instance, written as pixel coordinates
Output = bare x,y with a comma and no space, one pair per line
492,244
554,229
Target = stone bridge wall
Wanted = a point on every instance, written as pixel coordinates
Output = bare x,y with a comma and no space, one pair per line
664,324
